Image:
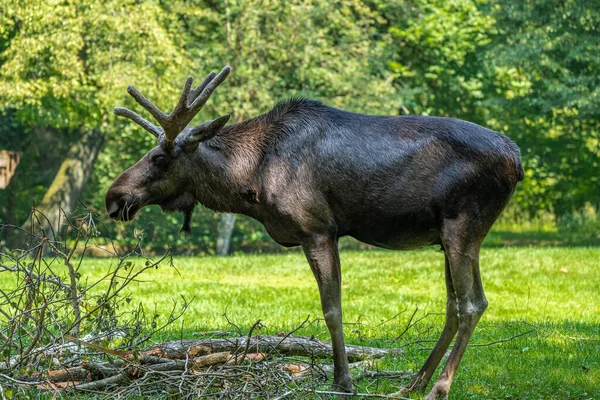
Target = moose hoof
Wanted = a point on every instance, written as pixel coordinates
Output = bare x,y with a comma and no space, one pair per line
416,385
402,392
344,387
438,392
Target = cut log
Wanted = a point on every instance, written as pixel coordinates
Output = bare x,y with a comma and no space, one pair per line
252,357
196,363
57,385
212,359
151,356
177,354
61,375
291,346
296,369
106,370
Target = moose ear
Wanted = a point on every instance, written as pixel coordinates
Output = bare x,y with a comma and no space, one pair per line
206,131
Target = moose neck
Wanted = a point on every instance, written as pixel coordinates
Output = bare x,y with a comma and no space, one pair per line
227,178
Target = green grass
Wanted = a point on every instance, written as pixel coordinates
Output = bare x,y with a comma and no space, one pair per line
553,291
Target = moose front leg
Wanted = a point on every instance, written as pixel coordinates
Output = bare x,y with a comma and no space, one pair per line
322,255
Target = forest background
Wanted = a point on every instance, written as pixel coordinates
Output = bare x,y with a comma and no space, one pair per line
529,69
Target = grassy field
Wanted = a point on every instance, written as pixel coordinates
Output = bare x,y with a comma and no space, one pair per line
551,293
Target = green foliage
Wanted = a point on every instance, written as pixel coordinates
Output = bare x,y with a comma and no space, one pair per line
529,69
544,67
63,67
326,50
437,51
66,63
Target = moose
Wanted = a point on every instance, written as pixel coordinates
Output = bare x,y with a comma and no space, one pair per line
312,174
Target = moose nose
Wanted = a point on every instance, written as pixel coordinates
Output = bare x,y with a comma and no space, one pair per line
115,213
113,208
115,203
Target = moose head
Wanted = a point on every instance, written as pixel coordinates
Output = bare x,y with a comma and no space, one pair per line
163,175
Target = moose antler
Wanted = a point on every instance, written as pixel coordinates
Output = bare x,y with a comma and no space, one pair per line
189,104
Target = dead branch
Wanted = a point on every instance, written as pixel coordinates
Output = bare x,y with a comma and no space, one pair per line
256,324
383,374
105,350
363,395
102,383
292,346
101,370
211,359
504,340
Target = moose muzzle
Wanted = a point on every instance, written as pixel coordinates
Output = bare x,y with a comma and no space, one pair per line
120,206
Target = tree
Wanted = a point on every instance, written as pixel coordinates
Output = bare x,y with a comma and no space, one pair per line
436,53
64,66
544,91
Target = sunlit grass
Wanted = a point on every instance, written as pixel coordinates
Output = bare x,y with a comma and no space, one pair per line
552,292
532,284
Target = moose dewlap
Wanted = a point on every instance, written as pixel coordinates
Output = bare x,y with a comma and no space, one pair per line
312,174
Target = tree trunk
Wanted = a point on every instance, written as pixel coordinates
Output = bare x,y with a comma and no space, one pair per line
226,226
10,214
61,198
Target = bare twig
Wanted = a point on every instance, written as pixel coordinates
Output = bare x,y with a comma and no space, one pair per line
501,340
410,324
290,333
255,325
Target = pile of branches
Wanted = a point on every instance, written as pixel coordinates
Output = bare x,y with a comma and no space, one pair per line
45,296
243,367
63,333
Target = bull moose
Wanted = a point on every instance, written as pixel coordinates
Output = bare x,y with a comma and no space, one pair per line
312,174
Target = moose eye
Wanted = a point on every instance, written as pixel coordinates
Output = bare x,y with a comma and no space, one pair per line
159,160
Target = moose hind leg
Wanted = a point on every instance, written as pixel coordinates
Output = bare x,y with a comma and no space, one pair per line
462,251
420,382
322,255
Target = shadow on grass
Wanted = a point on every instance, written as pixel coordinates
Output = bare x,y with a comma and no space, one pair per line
559,360
497,238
